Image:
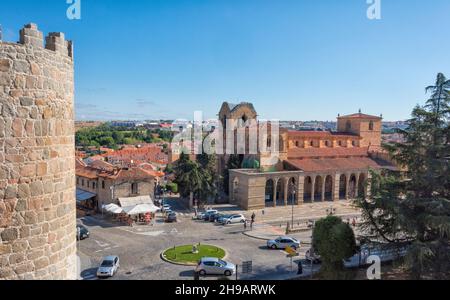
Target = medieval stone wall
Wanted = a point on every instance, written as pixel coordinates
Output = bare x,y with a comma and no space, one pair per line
37,158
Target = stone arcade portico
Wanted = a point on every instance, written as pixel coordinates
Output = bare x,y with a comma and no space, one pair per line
253,189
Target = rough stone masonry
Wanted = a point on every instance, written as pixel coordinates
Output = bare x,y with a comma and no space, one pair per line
37,158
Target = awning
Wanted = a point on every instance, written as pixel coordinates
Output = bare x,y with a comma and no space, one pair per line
113,208
83,195
138,205
133,201
140,209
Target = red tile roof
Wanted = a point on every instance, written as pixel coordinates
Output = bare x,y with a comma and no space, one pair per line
338,152
151,154
333,164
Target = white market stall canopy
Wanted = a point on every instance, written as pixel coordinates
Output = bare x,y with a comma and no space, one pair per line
138,205
113,208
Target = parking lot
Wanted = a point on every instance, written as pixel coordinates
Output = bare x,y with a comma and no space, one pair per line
139,248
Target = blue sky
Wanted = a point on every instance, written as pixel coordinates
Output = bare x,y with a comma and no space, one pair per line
295,60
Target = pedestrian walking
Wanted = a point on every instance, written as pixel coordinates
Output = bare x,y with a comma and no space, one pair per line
245,225
300,268
251,224
253,217
353,222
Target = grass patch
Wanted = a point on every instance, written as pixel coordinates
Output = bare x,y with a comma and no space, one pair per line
183,254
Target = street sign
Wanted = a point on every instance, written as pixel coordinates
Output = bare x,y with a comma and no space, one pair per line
291,252
247,267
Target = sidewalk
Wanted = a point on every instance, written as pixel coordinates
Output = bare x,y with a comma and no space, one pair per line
269,232
302,213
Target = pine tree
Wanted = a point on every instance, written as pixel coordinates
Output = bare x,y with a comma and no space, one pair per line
413,206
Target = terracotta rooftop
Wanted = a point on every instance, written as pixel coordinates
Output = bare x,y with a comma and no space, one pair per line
338,152
333,164
138,155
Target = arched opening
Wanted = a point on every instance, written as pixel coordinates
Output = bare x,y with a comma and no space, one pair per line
292,191
352,187
342,186
235,190
329,188
269,192
307,194
280,192
280,145
318,188
362,185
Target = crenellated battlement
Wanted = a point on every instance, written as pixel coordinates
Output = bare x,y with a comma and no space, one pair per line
30,35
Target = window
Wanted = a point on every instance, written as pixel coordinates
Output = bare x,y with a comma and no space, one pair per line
93,185
134,188
340,143
371,126
353,143
78,181
311,144
82,182
103,184
297,144
348,126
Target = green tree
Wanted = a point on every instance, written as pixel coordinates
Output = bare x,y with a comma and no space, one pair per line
334,241
234,162
208,163
413,206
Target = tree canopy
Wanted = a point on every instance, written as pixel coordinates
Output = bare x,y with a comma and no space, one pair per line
413,206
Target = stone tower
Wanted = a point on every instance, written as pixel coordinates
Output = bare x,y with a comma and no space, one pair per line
365,126
37,158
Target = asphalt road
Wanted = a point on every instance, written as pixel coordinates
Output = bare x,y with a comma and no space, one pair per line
139,249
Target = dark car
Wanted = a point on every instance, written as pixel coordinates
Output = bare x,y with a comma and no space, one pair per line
213,217
208,213
82,232
216,217
171,218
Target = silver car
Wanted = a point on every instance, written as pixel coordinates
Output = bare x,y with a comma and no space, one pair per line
109,266
215,266
282,242
233,219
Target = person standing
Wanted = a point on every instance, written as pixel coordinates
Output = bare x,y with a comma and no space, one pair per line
300,268
245,225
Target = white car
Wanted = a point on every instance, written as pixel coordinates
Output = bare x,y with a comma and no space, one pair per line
233,219
215,266
109,266
282,242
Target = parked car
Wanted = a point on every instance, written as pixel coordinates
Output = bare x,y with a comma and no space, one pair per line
233,219
214,217
220,218
165,207
282,242
215,266
82,232
109,266
172,217
208,213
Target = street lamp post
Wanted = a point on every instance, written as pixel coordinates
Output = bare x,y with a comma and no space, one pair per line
292,202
